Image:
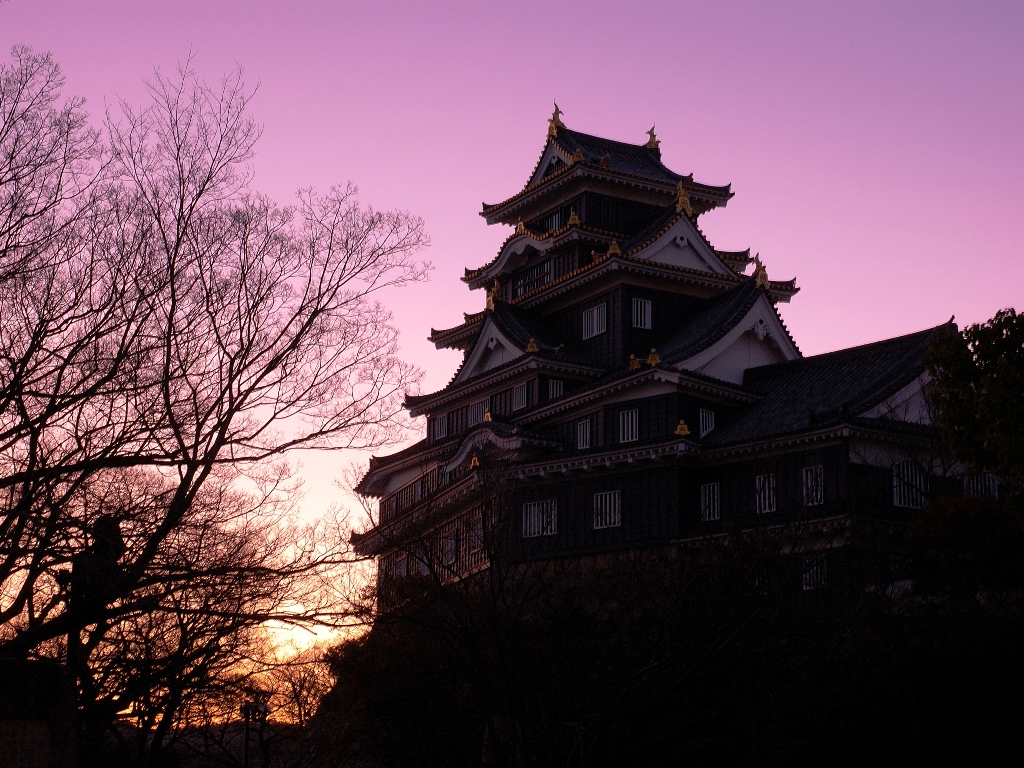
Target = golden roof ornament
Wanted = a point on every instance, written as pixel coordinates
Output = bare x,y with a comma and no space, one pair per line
577,156
487,416
634,364
520,227
613,249
474,462
532,346
555,122
760,273
652,140
683,200
653,359
560,352
494,295
682,430
573,219
606,161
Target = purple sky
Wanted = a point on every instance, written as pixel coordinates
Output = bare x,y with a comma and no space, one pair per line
876,150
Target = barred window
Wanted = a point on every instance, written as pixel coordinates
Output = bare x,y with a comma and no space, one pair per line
629,426
476,534
984,485
707,421
594,321
709,509
608,509
583,434
450,548
518,397
908,485
641,313
814,486
439,427
555,389
540,518
765,487
476,412
815,572
401,568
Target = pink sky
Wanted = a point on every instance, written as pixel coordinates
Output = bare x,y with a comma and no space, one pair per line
876,149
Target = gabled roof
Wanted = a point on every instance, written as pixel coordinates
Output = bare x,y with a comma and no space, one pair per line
826,388
712,320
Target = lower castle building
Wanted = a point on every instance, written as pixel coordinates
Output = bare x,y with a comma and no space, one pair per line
628,385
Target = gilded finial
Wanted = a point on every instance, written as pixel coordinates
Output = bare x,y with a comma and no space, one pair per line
487,416
634,364
532,346
613,249
653,359
760,273
682,430
494,295
560,352
555,122
474,462
606,161
573,219
520,227
683,201
577,156
652,140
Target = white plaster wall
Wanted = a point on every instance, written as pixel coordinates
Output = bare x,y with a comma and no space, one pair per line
747,351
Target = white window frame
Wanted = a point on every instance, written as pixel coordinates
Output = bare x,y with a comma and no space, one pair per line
764,486
595,321
540,518
629,425
642,314
439,427
583,434
519,396
475,412
607,510
815,572
555,388
908,485
983,485
707,421
814,486
710,502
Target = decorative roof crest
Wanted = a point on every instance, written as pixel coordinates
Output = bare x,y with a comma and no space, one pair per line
606,161
613,249
573,218
494,295
760,273
532,347
487,416
652,141
520,227
577,156
653,358
683,200
634,364
682,430
555,122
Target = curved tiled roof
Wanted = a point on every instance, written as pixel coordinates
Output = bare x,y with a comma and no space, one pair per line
713,320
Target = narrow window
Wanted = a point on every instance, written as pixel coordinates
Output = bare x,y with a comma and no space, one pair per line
555,389
628,426
908,485
815,572
518,397
707,421
607,509
641,313
477,411
583,434
594,321
450,549
814,486
401,568
765,485
476,534
984,485
709,509
439,427
540,518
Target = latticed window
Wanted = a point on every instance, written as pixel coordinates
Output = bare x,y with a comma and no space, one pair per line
583,434
765,487
814,486
476,534
641,313
450,549
707,421
594,321
439,427
815,572
518,397
540,518
476,412
629,426
984,485
608,509
533,278
908,485
709,508
401,567
555,389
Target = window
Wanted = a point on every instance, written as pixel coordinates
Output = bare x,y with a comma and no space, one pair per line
765,485
707,421
908,485
518,397
532,278
540,518
401,569
607,509
594,322
555,389
814,486
477,411
583,434
641,313
476,534
815,575
628,429
450,548
984,485
439,427
709,509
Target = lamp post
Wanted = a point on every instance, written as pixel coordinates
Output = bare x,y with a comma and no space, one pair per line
254,709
